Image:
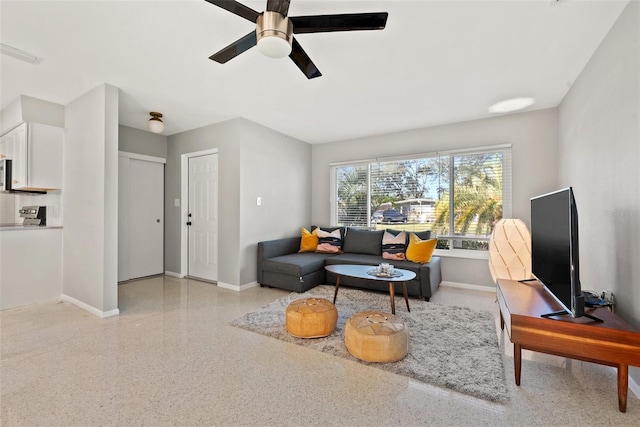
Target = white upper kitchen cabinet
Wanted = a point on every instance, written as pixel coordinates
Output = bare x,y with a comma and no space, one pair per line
36,153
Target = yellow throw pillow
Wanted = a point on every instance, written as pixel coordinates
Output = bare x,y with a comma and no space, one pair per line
309,241
419,250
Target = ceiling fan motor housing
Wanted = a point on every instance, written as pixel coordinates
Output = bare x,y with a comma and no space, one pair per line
271,25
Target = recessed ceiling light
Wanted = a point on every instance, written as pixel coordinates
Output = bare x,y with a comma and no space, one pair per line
19,54
509,105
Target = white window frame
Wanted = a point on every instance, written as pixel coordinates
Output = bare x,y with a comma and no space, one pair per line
507,200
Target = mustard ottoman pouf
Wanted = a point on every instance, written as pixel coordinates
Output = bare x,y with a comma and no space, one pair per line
375,336
311,318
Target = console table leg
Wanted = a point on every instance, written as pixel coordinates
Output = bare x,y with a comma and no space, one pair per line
392,295
335,293
517,361
623,386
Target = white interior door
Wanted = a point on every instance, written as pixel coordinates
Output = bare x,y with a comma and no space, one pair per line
203,217
141,218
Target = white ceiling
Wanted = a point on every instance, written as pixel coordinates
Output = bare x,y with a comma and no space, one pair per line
436,62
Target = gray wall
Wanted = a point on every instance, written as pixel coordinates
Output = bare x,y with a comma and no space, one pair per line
253,161
533,136
138,141
90,199
599,134
276,168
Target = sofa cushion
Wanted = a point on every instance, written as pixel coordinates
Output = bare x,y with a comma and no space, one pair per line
420,250
362,241
329,242
298,264
308,240
358,259
394,246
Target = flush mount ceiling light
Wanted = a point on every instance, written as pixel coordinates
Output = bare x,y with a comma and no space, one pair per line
510,105
19,54
155,123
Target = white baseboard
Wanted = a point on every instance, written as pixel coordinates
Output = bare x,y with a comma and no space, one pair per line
236,287
90,309
172,274
468,286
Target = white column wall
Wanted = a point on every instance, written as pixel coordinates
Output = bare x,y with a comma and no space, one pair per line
90,203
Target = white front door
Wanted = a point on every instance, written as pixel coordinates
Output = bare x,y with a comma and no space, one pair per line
203,217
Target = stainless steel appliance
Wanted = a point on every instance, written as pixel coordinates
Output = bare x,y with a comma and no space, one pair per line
33,215
5,175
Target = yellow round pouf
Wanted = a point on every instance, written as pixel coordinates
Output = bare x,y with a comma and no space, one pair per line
375,336
311,318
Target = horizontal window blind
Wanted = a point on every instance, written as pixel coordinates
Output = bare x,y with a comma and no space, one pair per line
458,194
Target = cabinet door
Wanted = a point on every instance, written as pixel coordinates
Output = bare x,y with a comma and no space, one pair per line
45,156
14,146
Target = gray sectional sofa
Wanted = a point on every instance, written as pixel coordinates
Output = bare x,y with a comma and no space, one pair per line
280,265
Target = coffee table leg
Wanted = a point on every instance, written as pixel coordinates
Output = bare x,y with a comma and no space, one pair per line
406,297
623,386
335,293
393,301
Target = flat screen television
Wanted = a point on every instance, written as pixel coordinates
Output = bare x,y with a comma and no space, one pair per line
554,249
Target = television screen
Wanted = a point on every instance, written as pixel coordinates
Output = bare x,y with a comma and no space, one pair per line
554,247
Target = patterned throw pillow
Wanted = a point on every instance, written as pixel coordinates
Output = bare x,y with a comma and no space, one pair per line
308,240
420,250
393,247
329,242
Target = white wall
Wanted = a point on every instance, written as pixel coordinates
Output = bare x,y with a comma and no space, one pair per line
90,200
533,136
28,109
599,133
21,283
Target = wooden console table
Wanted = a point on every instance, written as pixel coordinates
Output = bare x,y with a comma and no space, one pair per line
611,342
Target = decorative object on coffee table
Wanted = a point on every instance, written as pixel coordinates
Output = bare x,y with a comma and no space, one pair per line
375,336
311,318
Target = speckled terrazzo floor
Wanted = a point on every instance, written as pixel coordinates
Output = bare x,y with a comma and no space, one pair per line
170,358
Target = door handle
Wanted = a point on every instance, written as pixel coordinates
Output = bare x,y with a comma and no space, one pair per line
158,220
189,223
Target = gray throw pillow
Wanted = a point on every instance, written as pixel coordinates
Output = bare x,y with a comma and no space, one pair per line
363,242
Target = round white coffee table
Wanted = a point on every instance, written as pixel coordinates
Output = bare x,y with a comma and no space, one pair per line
367,272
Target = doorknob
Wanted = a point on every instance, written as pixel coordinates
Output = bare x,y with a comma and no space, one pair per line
189,223
158,220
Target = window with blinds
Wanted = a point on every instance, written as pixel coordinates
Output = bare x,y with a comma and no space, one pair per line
459,195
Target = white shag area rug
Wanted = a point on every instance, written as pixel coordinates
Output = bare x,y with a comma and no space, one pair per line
451,347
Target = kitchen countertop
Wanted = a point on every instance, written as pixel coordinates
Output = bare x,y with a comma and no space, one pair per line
20,227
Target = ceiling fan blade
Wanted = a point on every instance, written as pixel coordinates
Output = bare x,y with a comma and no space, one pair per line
237,9
344,22
280,6
235,48
302,60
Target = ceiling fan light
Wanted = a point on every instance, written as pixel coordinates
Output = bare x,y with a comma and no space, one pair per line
274,47
274,33
155,124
